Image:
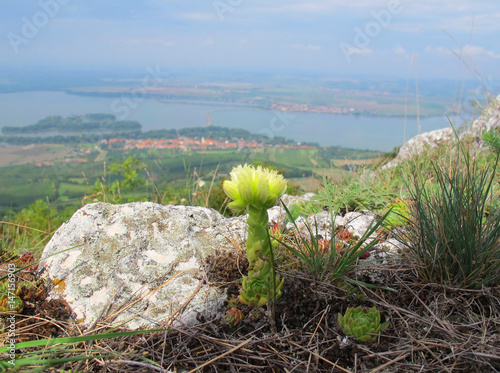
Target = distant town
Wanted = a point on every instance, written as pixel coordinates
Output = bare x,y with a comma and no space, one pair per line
182,144
313,108
186,143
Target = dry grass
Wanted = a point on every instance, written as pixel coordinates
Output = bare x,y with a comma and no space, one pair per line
432,329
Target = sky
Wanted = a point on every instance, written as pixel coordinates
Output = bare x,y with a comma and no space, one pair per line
387,38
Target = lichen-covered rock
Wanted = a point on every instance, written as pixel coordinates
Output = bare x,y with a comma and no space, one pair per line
490,119
417,144
320,222
358,223
138,263
289,199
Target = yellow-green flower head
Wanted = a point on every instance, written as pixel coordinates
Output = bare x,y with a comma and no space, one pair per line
258,187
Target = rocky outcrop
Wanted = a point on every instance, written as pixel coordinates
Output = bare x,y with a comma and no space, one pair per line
490,119
417,144
141,264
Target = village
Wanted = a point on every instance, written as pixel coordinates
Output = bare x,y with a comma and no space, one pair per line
182,144
312,108
186,144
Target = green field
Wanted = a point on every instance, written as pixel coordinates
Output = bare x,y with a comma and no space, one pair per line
165,171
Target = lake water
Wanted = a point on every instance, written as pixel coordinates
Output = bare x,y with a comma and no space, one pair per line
20,109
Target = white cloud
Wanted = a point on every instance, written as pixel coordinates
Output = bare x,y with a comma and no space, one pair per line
311,47
399,50
314,47
471,51
478,51
360,51
442,51
320,6
475,23
197,16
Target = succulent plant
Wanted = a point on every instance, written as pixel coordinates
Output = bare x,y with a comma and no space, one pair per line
276,234
362,323
255,190
9,300
234,316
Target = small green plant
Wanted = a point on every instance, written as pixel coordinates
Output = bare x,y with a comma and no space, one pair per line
492,139
352,194
256,190
31,228
336,258
9,299
399,214
234,316
454,230
304,209
362,323
105,190
128,169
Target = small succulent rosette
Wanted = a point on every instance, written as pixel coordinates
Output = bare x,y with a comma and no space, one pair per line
362,323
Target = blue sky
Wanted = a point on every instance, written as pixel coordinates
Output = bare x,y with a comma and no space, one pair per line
333,37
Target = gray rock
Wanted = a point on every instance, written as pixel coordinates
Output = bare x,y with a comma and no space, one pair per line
320,222
138,263
375,268
276,214
490,119
417,144
289,200
358,223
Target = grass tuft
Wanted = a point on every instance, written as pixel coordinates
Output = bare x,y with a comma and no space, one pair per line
454,228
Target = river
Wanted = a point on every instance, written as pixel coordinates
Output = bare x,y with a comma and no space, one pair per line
375,133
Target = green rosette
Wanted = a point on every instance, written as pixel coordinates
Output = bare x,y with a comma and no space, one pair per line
362,323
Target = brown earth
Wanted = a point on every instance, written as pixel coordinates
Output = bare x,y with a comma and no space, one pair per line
16,154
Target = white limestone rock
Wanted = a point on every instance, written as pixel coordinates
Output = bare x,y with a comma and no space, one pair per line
358,223
289,200
490,119
375,268
277,215
142,257
417,144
